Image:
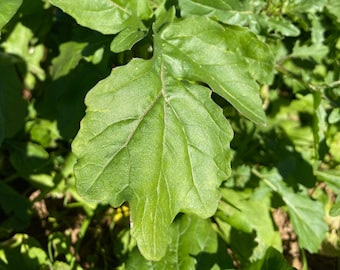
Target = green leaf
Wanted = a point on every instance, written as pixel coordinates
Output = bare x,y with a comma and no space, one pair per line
11,97
257,54
218,9
283,26
306,6
68,58
17,209
161,158
143,140
28,249
108,16
315,51
332,177
8,9
245,13
273,260
333,7
306,215
307,220
44,132
20,42
202,50
242,213
226,11
78,67
194,245
334,146
126,39
28,158
334,116
335,210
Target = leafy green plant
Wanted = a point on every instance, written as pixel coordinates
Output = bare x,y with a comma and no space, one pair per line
202,120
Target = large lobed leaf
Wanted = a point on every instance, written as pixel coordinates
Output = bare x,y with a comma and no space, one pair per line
154,138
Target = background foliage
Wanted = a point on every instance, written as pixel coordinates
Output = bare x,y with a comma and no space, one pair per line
177,93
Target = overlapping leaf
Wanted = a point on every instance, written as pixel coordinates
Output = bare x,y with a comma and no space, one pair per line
242,212
8,9
306,215
244,13
194,243
10,97
122,17
155,139
107,17
333,7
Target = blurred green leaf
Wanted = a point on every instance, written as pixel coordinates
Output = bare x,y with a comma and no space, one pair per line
21,43
306,6
17,209
11,97
8,9
23,252
247,13
319,123
68,58
335,210
28,158
315,51
273,260
2,127
334,146
333,7
334,116
44,132
332,177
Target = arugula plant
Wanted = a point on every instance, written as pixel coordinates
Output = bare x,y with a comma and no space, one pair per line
200,119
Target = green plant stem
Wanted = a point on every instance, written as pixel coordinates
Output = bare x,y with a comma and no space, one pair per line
83,229
265,180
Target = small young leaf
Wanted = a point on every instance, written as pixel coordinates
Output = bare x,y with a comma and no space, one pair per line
126,39
68,58
334,116
283,26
